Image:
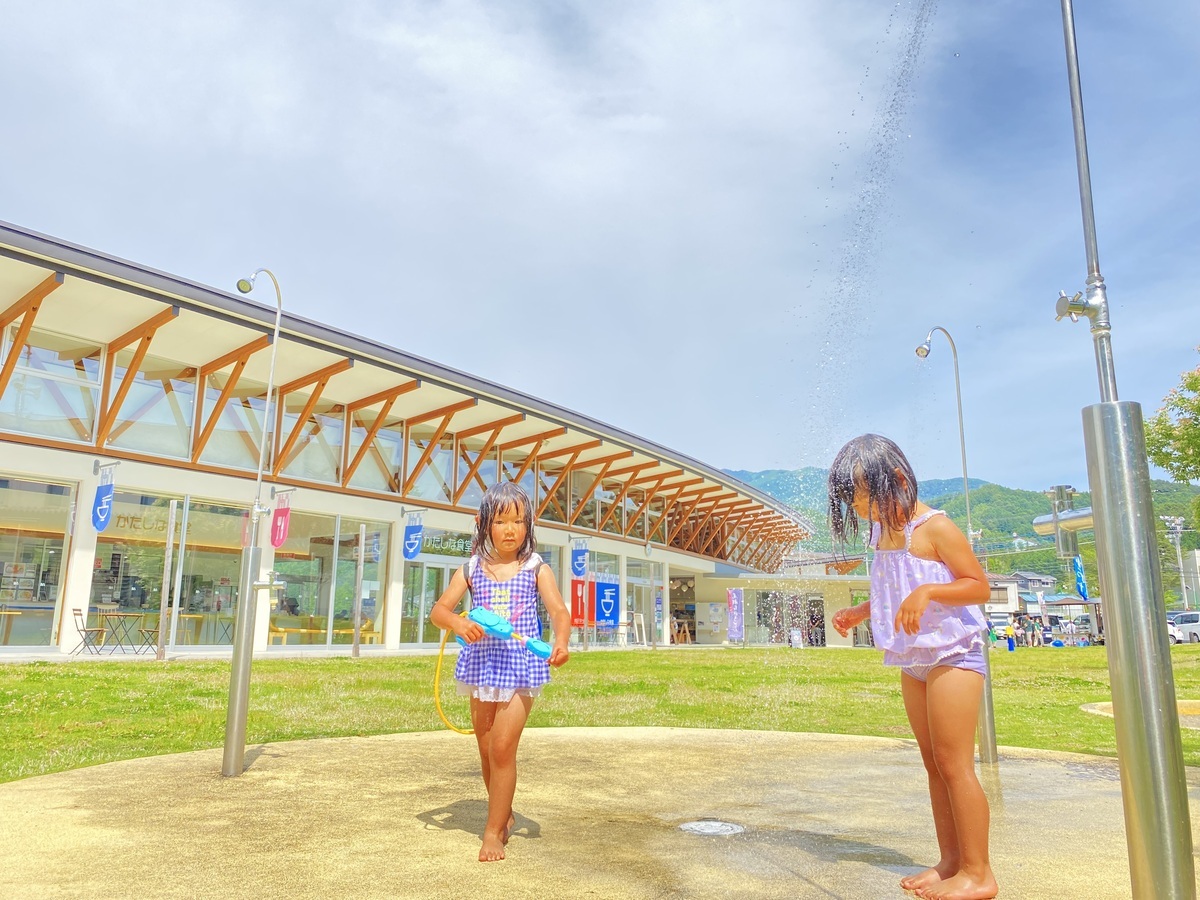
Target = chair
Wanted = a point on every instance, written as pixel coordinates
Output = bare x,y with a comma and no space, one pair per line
149,636
88,635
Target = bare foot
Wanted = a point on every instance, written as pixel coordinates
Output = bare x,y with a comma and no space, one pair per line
962,887
492,849
508,829
927,878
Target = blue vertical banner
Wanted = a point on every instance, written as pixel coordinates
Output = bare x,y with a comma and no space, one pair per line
608,600
414,536
736,617
102,506
1080,581
579,559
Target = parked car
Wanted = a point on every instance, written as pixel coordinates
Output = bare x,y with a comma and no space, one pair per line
1174,634
1188,624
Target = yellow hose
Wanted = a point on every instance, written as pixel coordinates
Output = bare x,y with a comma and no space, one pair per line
437,685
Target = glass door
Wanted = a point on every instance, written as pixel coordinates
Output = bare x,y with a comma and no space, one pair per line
423,584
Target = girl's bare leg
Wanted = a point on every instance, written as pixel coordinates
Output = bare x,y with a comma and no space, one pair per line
498,752
914,692
952,700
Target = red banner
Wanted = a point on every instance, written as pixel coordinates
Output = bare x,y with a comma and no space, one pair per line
279,525
577,593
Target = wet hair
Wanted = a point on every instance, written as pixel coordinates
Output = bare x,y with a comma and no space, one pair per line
873,462
496,500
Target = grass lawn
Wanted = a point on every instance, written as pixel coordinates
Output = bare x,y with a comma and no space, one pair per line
65,715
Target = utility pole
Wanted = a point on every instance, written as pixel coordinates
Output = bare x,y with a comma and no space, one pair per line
1175,533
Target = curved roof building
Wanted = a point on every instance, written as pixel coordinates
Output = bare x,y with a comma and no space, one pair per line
106,361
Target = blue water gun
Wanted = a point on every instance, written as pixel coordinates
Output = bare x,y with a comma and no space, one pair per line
499,627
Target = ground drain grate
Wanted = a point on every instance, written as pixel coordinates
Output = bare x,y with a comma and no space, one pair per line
711,827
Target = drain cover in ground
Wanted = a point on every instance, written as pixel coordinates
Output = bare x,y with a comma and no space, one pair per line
711,826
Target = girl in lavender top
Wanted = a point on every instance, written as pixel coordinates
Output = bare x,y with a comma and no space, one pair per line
502,678
926,585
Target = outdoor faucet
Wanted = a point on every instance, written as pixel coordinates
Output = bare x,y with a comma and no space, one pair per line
273,583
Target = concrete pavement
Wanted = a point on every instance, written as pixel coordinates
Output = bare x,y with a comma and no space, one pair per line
598,815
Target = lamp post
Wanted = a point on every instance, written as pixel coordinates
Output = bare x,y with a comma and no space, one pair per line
1175,533
987,712
232,763
1154,789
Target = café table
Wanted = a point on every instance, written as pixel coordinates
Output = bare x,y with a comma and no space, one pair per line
120,626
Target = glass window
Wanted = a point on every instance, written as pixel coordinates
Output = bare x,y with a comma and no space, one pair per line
606,496
235,437
306,563
55,387
33,528
211,573
373,585
484,476
658,527
556,508
584,505
156,415
316,452
383,464
437,474
513,461
635,524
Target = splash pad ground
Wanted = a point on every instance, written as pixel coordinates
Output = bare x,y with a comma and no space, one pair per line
599,813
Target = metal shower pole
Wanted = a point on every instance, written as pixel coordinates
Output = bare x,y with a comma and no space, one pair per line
1149,749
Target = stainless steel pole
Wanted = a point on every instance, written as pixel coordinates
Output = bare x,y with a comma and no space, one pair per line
1158,829
1149,748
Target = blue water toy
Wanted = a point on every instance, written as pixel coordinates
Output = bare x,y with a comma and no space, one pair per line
499,627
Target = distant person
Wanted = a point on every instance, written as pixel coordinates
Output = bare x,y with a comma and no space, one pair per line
926,587
501,677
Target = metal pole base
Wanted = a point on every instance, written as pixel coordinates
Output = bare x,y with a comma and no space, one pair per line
1149,749
233,762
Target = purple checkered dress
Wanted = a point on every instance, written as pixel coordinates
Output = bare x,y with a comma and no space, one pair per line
494,670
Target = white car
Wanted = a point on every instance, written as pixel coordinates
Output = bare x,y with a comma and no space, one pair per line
1174,634
1188,624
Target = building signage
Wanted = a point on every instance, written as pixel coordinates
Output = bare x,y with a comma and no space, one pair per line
578,592
413,536
102,506
606,594
579,559
736,619
280,520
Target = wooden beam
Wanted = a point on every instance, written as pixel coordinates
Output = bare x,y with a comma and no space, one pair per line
553,490
589,492
538,439
650,495
498,425
631,470
32,298
620,498
143,331
724,531
241,354
604,460
568,451
28,307
449,411
143,334
711,512
433,442
659,476
683,519
283,457
463,483
384,396
319,375
368,439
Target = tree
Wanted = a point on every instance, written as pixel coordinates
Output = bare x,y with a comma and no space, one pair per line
1173,433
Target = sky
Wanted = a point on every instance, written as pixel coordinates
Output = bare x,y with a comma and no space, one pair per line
723,226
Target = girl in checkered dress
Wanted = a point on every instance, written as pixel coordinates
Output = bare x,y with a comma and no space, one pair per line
502,678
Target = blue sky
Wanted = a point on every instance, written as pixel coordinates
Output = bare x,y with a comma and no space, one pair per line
722,226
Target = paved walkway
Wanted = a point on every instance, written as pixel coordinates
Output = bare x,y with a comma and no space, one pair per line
599,812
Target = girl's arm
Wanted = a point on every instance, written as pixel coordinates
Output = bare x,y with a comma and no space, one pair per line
560,618
443,615
849,616
969,587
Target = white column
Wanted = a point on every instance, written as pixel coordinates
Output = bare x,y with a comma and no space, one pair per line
393,596
80,563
